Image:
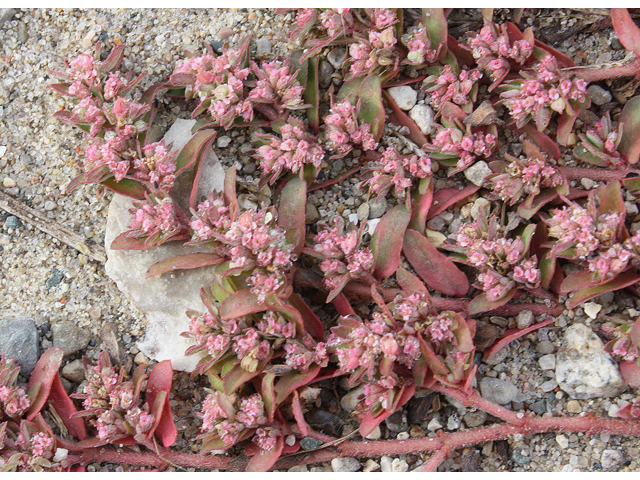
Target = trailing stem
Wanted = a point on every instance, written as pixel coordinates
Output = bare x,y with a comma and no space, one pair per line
603,72
597,174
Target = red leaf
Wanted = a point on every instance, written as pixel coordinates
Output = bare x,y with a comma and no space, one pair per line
561,58
630,121
463,55
298,415
291,212
409,282
446,197
421,202
42,378
192,150
511,334
630,372
240,303
576,281
565,126
386,244
312,324
184,262
64,407
369,422
435,269
124,242
263,461
113,60
342,305
480,303
159,381
621,281
541,140
292,380
400,118
451,111
627,31
127,187
238,376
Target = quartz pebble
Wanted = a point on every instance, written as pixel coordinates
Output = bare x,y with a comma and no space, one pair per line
547,362
404,96
524,319
497,391
477,172
8,182
345,464
263,47
562,441
611,459
592,309
423,115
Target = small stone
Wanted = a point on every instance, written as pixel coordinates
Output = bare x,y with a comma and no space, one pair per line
363,212
349,401
404,96
325,70
437,223
524,319
377,207
584,369
345,464
311,214
599,95
497,391
548,386
385,463
217,46
12,222
225,32
539,407
434,424
435,238
518,458
587,183
263,47
498,357
298,468
422,115
74,371
478,205
223,141
398,465
592,309
49,205
22,32
453,422
545,347
336,57
611,459
631,208
309,443
396,422
547,362
141,359
55,279
403,436
573,406
375,434
416,431
475,419
562,441
371,466
6,14
477,172
8,182
19,340
71,338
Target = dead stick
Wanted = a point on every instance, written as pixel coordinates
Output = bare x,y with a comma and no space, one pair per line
45,224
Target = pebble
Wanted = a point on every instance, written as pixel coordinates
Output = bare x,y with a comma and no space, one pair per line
375,434
587,183
399,465
74,371
498,357
55,278
225,32
584,369
396,422
478,205
453,422
497,391
50,205
223,141
562,441
371,466
349,401
140,359
477,172
434,424
548,386
19,340
6,14
435,238
68,336
416,431
22,32
475,419
385,463
263,47
547,362
311,214
592,309
524,319
336,57
404,96
363,212
611,459
545,347
12,222
8,182
518,458
325,70
573,406
299,468
437,223
377,207
539,407
599,95
423,115
345,464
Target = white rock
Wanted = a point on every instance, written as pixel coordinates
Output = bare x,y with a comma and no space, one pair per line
584,369
385,463
223,141
60,455
375,434
349,401
404,96
562,441
163,299
434,424
371,226
398,465
480,203
8,182
3,150
611,459
592,309
345,464
422,115
477,172
524,319
547,362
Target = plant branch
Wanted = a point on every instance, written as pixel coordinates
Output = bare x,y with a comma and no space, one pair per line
603,72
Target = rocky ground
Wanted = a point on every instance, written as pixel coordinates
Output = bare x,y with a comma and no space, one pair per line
73,304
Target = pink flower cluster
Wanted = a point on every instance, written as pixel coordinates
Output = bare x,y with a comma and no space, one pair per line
336,21
502,261
419,45
466,146
343,260
395,170
294,149
524,178
342,131
157,221
496,53
211,220
157,167
112,403
451,87
276,87
601,144
368,55
548,90
621,346
13,400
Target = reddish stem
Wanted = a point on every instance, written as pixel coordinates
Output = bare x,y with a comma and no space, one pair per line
334,180
601,73
597,174
435,460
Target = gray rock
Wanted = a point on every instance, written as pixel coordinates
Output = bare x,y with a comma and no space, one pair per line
477,172
422,115
311,214
74,371
524,319
6,14
309,443
377,207
549,385
12,222
19,340
518,458
454,422
611,459
49,205
545,347
163,299
404,96
263,47
437,223
345,464
538,407
475,419
396,422
584,369
224,141
55,279
22,32
478,205
299,468
599,95
349,401
434,424
69,337
325,70
547,362
497,391
363,212
336,57
499,356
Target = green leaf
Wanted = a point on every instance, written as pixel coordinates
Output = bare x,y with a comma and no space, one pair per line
630,120
435,21
368,91
292,380
238,376
113,60
184,262
193,149
386,244
621,281
311,95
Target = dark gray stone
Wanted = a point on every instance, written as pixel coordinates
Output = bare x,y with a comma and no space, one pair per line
19,340
396,423
475,419
69,337
518,458
12,222
74,371
55,279
324,74
497,391
336,57
308,443
538,407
